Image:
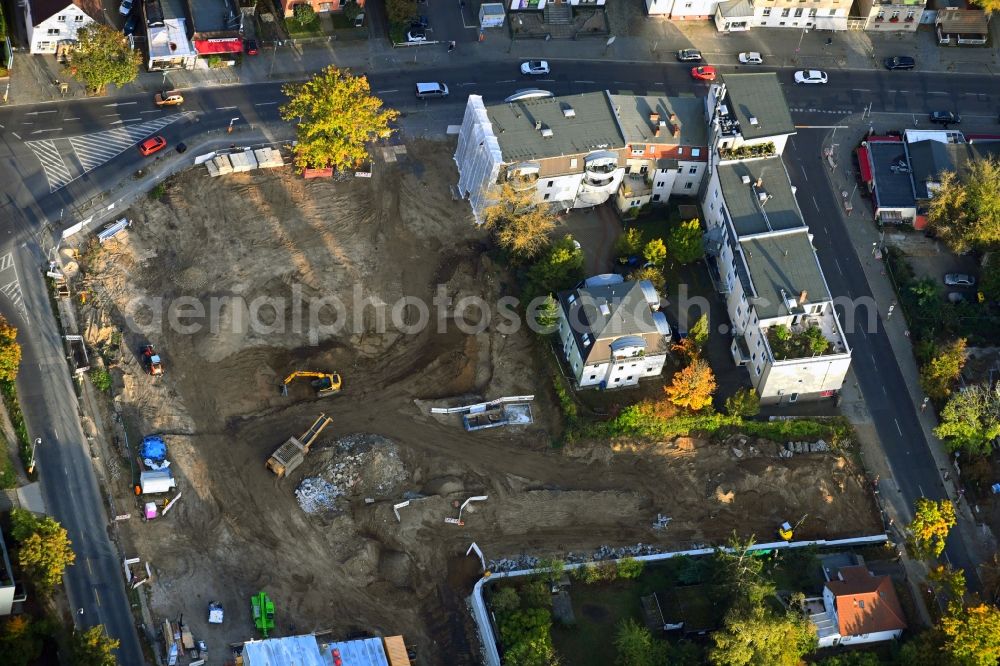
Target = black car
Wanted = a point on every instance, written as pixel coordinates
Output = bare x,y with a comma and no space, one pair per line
945,117
689,55
900,62
418,22
132,23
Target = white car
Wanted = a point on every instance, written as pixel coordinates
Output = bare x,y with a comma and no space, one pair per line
415,35
810,76
751,58
535,68
125,8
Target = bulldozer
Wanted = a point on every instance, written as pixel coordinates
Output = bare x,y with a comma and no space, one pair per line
325,383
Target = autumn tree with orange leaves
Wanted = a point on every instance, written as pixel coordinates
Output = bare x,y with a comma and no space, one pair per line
692,387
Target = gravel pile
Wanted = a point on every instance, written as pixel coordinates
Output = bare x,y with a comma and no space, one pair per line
316,495
360,465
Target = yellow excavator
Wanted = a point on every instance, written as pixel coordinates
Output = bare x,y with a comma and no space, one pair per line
325,383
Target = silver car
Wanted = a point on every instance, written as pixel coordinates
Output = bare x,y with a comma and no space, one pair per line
959,280
810,76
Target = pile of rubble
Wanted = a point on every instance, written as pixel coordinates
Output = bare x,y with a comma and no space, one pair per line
317,495
361,464
791,448
525,562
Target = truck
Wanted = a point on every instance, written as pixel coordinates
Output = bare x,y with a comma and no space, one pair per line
291,454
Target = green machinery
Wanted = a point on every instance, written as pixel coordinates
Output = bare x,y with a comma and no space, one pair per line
263,612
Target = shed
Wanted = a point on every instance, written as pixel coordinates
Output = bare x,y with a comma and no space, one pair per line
491,15
962,27
156,482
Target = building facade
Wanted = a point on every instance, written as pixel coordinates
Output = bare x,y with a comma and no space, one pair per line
53,25
666,151
682,10
288,6
611,334
857,608
815,14
891,15
568,150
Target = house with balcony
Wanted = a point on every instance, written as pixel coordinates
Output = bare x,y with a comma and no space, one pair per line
962,27
748,116
52,25
760,253
857,607
815,15
666,151
568,150
611,332
891,15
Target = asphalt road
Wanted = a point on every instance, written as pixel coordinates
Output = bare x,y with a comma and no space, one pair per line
76,132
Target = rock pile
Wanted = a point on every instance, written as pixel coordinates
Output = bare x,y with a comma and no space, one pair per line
317,495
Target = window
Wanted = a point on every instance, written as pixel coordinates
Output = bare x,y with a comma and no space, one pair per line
894,15
785,12
680,151
760,343
792,398
660,184
53,31
78,19
629,378
695,152
572,163
656,197
638,150
766,12
688,186
44,45
680,169
686,6
861,602
757,369
798,12
743,295
739,311
551,183
693,170
833,11
593,377
782,22
547,195
754,357
61,18
909,15
644,169
812,13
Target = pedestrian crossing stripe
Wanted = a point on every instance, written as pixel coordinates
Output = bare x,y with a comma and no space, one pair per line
55,168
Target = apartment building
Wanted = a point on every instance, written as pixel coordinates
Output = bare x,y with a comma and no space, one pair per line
666,148
803,14
760,251
891,15
568,150
682,10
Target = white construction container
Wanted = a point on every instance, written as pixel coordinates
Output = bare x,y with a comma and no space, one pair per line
244,161
161,481
268,158
223,164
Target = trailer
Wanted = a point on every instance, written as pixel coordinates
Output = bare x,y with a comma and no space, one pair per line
152,483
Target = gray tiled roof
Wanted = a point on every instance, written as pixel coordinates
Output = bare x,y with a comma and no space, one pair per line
928,158
634,111
758,95
783,266
892,189
606,313
748,213
591,127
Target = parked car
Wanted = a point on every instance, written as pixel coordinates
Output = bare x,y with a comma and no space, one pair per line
945,117
359,20
689,55
703,73
419,22
168,98
959,280
125,8
535,67
416,35
956,297
810,76
900,62
132,23
250,47
751,58
151,145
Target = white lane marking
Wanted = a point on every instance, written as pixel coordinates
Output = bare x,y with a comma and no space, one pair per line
225,108
815,204
507,81
265,103
804,172
860,90
56,171
382,92
153,111
585,82
121,104
36,113
16,135
839,269
73,118
12,289
938,92
898,429
54,129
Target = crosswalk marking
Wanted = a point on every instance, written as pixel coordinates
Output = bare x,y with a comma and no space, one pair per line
12,288
92,150
55,168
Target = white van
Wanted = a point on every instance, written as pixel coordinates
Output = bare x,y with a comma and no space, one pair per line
429,90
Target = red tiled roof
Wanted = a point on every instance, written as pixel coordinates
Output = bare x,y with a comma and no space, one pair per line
864,164
865,604
210,46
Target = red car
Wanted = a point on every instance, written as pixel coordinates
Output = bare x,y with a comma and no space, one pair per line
703,73
151,145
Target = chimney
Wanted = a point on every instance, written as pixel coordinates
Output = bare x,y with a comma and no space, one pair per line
538,124
654,118
759,183
656,130
803,297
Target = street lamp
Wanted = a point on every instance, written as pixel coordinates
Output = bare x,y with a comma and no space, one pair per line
230,130
31,463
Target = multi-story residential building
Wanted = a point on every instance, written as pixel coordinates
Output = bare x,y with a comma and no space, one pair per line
611,334
52,24
856,607
682,10
891,15
568,150
7,587
814,14
666,149
760,250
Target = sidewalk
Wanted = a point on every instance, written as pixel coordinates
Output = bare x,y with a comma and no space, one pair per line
977,539
638,38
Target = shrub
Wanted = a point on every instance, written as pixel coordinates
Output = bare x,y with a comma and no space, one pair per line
505,600
101,379
630,568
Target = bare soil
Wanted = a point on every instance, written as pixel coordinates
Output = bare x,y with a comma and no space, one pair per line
237,529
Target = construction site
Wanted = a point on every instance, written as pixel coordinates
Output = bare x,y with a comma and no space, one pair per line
337,491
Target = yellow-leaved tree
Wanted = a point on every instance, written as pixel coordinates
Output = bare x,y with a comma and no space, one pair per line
930,526
43,547
692,387
520,225
10,352
337,117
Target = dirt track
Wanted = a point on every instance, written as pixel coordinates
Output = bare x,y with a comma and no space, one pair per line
238,530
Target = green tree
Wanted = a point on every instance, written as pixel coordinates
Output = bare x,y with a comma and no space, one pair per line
101,379
635,646
970,420
972,635
698,334
693,386
559,267
925,292
547,315
744,404
948,581
742,571
650,273
684,242
519,224
10,352
505,600
44,550
930,526
655,252
103,56
630,568
965,210
754,635
855,658
93,647
629,243
303,18
525,625
989,277
536,594
337,116
941,372
400,11
533,652
20,642
815,341
924,649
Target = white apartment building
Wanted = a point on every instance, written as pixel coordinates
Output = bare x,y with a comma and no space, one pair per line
814,14
666,151
682,10
569,150
760,249
52,24
611,334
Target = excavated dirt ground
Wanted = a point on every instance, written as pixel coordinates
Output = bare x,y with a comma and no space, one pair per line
237,529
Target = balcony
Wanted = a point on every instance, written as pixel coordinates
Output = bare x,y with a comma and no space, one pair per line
636,185
789,341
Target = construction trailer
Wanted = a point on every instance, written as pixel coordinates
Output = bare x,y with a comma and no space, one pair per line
155,482
291,454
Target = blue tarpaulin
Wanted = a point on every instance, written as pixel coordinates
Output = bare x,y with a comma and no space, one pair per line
153,448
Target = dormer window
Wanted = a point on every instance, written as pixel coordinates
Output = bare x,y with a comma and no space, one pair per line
638,150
